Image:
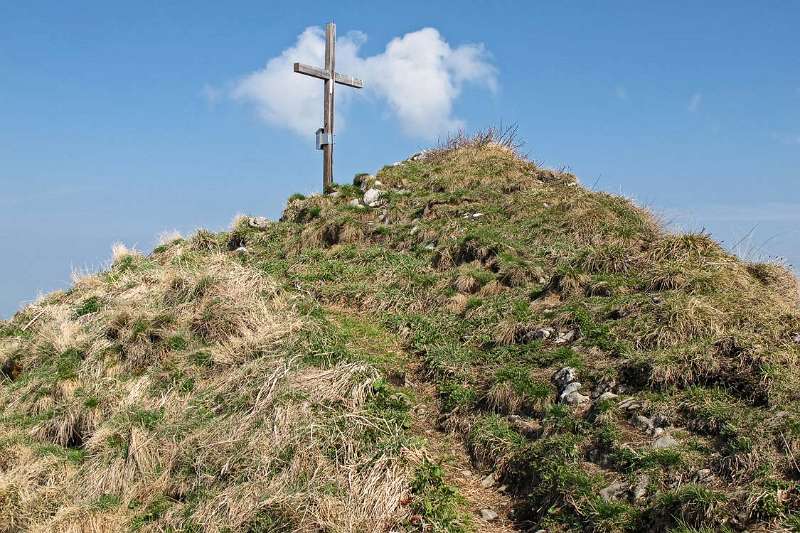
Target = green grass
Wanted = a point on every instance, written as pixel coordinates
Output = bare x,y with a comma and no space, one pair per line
437,503
88,306
673,321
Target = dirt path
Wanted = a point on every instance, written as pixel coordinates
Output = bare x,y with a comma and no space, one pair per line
448,450
444,448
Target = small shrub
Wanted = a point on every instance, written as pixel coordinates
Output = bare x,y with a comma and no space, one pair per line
88,306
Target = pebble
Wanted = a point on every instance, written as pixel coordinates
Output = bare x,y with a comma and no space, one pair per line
643,423
564,377
240,250
626,402
258,222
567,337
613,491
660,420
703,474
576,398
488,515
575,386
488,481
372,197
640,490
796,338
355,202
608,395
665,441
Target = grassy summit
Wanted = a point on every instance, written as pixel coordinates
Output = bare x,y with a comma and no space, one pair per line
343,370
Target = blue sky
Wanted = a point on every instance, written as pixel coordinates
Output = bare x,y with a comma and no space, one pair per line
119,121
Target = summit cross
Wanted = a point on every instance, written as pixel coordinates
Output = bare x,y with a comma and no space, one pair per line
331,78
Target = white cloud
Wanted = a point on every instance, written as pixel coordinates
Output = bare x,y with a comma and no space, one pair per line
694,102
419,76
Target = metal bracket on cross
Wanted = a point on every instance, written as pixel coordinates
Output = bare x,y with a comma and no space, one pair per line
323,138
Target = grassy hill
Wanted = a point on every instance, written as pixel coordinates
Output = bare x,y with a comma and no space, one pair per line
487,337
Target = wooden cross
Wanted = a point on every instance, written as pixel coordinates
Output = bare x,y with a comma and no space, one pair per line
331,78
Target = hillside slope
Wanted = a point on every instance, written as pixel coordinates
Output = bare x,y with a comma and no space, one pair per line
362,367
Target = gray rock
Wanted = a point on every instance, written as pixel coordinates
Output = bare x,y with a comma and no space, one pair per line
414,230
613,491
665,441
542,333
703,474
660,421
372,197
488,481
630,404
355,202
488,515
240,250
640,490
564,377
796,338
575,386
576,398
258,222
419,155
333,194
567,337
626,402
608,395
643,423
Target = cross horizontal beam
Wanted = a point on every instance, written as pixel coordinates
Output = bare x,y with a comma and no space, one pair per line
322,74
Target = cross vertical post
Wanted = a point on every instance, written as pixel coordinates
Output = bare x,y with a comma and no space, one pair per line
330,84
329,75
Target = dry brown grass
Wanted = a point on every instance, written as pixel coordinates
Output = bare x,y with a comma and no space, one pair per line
264,457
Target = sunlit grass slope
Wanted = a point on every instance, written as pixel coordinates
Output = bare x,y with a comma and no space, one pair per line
260,379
